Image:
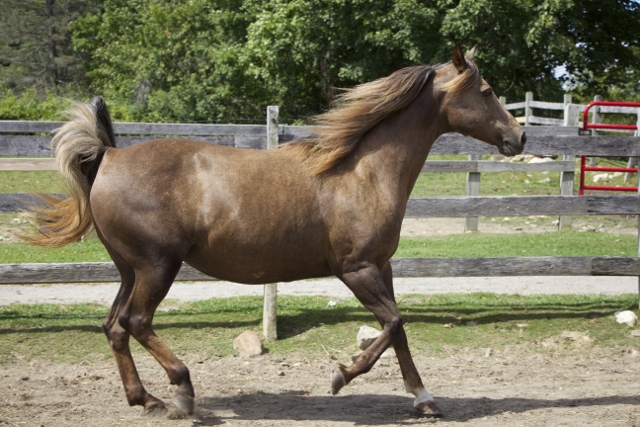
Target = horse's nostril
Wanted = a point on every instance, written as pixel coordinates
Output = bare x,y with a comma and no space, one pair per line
523,139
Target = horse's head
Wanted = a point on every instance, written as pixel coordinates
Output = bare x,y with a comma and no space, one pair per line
471,108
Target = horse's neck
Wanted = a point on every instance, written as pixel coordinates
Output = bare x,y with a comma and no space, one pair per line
398,147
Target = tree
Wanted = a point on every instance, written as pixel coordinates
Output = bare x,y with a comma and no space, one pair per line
172,61
35,44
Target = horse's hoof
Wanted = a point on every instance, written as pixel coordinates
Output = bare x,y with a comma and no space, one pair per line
337,381
186,404
428,409
155,408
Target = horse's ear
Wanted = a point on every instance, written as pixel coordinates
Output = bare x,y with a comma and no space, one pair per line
471,54
458,59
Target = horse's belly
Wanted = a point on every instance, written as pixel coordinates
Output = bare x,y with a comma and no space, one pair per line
258,267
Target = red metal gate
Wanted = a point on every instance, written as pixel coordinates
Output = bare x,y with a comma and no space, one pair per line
585,128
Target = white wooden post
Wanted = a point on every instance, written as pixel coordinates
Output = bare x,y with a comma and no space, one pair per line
270,306
567,178
473,189
528,112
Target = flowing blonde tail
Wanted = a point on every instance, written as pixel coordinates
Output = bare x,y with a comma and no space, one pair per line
78,146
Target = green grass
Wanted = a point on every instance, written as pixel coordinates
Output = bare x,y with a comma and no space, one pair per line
89,250
471,245
30,182
477,245
306,325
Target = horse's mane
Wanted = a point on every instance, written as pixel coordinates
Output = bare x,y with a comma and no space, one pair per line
355,111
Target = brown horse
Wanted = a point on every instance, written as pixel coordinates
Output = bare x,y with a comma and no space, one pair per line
331,204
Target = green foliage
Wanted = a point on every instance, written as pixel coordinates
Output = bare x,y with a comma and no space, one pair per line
30,106
169,61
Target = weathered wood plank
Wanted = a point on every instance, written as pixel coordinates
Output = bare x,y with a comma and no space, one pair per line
547,105
515,105
16,202
552,130
466,166
539,142
25,145
95,272
545,121
615,266
288,133
545,145
23,126
522,206
555,166
84,272
480,267
450,166
123,128
473,206
516,266
619,110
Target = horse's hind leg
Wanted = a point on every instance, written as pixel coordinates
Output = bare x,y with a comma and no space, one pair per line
424,402
118,339
369,285
151,286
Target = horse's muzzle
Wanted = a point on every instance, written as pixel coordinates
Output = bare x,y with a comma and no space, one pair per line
511,148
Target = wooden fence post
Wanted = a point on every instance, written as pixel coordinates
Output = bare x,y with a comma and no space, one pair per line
567,178
528,112
270,306
473,189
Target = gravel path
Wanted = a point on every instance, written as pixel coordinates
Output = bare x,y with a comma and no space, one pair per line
104,293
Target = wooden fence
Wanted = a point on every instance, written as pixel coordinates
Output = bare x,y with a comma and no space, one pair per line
19,139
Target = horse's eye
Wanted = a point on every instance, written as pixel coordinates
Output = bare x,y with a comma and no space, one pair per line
487,92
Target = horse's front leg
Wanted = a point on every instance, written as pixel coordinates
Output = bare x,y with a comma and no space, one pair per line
424,402
368,285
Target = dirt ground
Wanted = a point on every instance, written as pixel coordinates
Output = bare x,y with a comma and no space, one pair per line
545,384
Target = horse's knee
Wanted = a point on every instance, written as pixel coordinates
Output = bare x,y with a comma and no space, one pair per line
394,324
135,324
118,337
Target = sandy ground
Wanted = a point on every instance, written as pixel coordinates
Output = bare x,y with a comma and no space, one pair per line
550,383
542,384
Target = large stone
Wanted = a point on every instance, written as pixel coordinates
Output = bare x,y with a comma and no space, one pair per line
248,344
627,317
367,335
